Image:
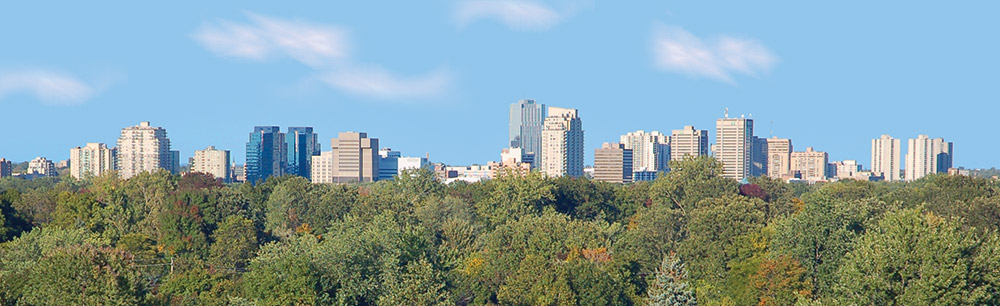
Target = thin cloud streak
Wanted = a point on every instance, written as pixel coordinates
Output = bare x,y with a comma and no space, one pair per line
324,48
375,82
520,15
49,87
677,50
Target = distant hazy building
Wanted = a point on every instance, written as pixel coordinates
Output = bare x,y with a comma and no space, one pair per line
145,148
885,157
404,163
322,168
513,160
847,169
301,144
779,155
470,174
527,120
94,159
562,143
212,161
613,163
239,173
650,151
688,142
758,157
811,164
40,166
6,168
734,146
266,154
927,156
355,158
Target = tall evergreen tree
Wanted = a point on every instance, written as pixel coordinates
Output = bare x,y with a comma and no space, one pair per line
670,286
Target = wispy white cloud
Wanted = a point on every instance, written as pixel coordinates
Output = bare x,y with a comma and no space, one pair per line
47,86
376,82
325,48
264,38
677,50
517,14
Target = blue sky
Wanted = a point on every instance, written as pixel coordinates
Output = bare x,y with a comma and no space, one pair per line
437,76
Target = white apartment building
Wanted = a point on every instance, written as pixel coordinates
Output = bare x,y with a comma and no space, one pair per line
650,151
562,143
94,159
145,148
885,158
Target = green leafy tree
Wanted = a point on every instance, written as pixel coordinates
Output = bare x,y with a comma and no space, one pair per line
234,243
691,181
84,275
916,258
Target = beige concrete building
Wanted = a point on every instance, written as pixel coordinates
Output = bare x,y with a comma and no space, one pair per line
734,146
927,156
613,163
355,158
94,159
650,151
239,173
322,168
810,164
885,158
562,143
212,161
145,148
779,157
688,142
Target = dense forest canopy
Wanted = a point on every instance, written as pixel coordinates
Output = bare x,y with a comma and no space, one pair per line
689,238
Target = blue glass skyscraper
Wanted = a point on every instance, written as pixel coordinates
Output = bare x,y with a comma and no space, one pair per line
525,127
302,145
266,153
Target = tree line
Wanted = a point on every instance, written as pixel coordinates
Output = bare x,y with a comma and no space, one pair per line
691,237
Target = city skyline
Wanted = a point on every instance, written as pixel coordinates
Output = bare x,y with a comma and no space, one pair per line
861,84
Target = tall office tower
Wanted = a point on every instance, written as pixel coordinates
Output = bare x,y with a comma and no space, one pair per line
779,155
810,164
302,145
527,120
266,154
926,156
388,163
613,163
734,146
212,161
562,143
650,151
322,168
145,148
6,168
885,158
42,167
688,142
355,158
758,158
94,159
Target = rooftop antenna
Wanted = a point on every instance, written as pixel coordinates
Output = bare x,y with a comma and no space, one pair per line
771,133
727,113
